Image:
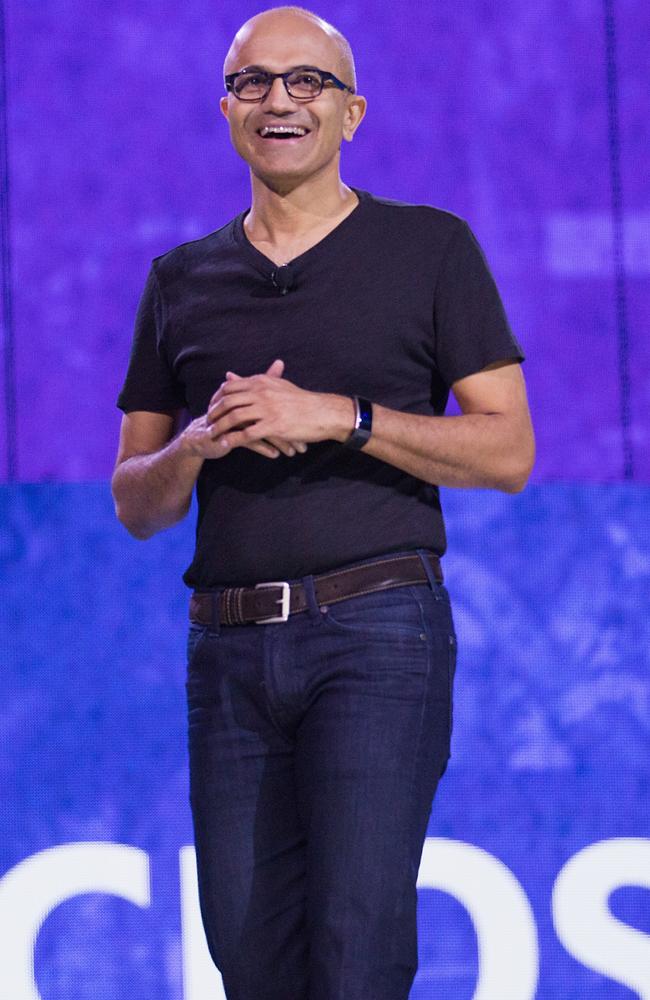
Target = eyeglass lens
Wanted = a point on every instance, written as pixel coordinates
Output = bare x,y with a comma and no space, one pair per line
302,83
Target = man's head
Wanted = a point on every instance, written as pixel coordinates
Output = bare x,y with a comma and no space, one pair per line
276,41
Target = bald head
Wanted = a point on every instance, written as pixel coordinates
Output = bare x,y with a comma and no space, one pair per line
300,24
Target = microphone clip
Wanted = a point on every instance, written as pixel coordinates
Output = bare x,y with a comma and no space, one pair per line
282,278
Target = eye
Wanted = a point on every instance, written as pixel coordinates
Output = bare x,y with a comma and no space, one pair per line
304,82
250,82
308,79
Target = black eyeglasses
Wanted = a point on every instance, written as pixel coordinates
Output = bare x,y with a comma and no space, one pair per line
303,83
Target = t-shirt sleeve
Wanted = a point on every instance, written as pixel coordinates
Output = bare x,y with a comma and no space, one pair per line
150,383
471,327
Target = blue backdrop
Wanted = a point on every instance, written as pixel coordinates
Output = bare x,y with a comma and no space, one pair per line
533,125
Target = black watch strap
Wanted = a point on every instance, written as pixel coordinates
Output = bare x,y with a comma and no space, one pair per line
362,424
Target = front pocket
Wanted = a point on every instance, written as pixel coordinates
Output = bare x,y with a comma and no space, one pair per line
392,612
194,636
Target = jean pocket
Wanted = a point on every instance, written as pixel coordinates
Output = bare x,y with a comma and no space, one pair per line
395,612
196,634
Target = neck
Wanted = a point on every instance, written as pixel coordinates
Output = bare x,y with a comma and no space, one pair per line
280,217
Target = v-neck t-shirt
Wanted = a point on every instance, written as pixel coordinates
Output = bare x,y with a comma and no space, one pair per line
395,304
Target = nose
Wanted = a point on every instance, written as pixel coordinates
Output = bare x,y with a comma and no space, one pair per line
278,98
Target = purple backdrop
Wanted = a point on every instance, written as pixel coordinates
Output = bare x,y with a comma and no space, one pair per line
529,120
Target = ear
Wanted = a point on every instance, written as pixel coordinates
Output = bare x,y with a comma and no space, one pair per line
354,113
223,104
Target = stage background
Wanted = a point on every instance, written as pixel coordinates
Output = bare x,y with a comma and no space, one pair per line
532,123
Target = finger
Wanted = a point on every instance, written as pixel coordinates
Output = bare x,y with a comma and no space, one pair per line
241,438
217,395
276,368
230,378
234,422
227,404
296,445
286,447
263,449
238,384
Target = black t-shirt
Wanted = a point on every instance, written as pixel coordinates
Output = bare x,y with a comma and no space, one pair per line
395,304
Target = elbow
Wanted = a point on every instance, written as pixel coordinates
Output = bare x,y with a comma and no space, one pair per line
124,513
519,472
514,485
137,529
142,523
519,469
516,480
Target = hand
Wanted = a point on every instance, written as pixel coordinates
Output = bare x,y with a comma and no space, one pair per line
270,447
200,441
263,407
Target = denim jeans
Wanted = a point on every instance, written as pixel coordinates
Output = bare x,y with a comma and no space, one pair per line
316,746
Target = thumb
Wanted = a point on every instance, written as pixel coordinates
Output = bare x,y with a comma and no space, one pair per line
276,368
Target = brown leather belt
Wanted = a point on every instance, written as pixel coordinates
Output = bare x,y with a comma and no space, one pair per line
266,603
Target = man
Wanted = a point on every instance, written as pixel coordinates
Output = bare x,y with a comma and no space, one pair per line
314,340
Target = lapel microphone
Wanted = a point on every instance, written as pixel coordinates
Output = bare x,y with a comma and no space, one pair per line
282,278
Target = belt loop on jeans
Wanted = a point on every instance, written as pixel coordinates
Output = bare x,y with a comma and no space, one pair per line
433,582
310,594
215,605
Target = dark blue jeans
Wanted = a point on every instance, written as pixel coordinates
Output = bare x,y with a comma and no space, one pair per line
316,746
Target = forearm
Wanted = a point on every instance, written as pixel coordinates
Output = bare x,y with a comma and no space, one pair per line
471,450
154,491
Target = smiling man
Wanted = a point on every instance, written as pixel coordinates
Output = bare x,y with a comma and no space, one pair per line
294,366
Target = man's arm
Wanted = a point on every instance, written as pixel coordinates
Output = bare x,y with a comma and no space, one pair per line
490,444
155,471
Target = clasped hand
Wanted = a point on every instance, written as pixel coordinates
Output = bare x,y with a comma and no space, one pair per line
265,413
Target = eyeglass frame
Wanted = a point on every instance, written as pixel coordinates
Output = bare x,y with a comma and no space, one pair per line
326,77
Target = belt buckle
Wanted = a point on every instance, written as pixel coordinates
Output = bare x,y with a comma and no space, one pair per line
284,599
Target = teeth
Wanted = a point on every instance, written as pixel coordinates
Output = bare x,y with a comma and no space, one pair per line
287,129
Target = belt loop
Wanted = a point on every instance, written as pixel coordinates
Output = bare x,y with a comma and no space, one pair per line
310,594
215,606
433,582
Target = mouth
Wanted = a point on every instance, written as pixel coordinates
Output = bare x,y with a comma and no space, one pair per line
283,134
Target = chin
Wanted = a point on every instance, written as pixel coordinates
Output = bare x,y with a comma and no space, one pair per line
281,181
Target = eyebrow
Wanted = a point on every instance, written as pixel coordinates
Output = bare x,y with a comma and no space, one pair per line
265,69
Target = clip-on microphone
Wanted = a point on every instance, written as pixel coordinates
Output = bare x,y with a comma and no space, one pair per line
282,278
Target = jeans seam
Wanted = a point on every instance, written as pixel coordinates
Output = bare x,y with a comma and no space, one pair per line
412,789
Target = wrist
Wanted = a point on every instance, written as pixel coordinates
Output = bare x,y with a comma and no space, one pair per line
185,445
343,417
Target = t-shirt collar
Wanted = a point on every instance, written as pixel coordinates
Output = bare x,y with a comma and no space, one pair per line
266,266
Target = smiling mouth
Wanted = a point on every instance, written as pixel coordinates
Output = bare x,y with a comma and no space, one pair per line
282,132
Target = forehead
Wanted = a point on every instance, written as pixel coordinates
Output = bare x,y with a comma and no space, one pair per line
279,44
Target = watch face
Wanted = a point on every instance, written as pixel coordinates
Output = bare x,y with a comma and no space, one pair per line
365,411
363,425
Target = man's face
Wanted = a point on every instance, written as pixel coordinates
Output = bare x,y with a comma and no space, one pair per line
279,43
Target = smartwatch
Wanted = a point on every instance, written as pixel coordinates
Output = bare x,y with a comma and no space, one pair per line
362,423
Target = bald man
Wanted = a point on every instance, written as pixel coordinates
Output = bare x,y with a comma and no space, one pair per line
294,366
